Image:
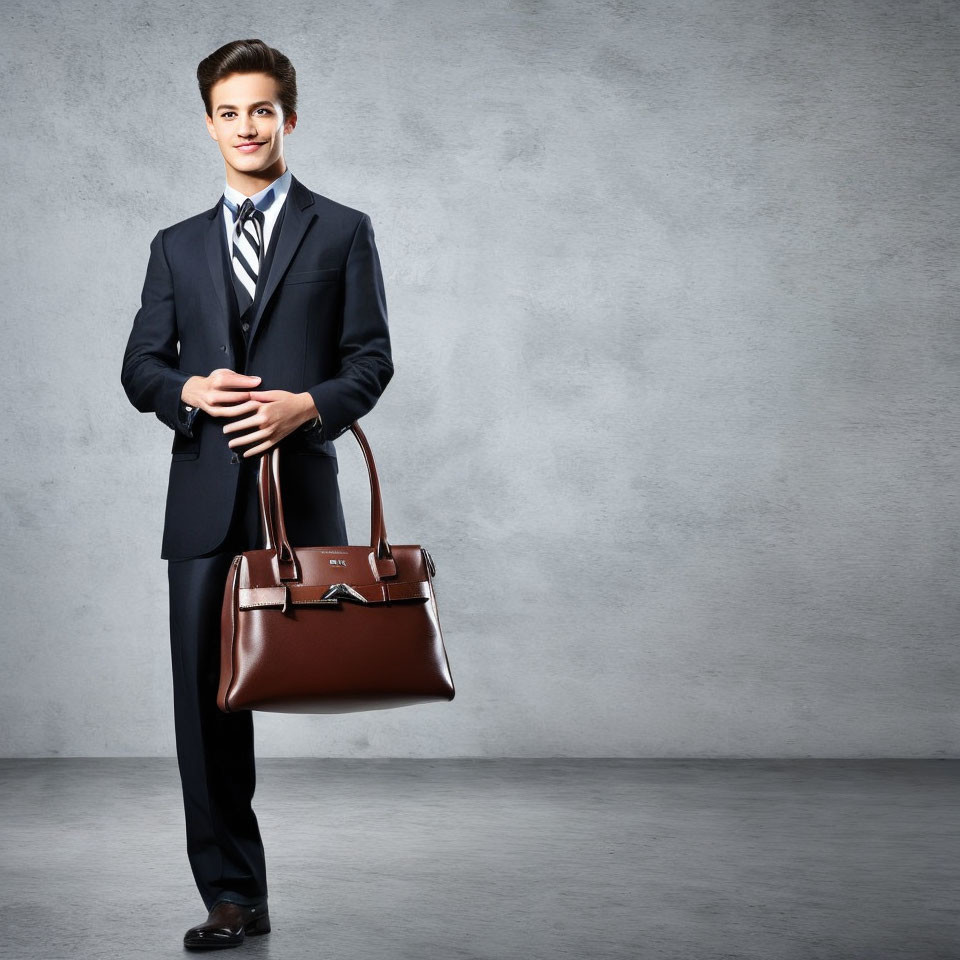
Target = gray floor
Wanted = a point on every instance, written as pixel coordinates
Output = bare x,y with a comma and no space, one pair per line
529,859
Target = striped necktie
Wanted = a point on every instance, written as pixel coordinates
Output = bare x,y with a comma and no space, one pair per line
248,247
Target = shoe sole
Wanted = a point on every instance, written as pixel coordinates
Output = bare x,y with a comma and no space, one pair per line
254,928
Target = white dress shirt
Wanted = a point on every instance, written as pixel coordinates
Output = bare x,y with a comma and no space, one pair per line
270,200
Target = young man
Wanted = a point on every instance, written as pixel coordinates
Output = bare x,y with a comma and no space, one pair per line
262,323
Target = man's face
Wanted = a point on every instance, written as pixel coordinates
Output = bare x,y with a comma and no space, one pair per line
246,111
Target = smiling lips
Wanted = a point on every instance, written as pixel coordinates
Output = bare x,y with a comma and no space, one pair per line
249,147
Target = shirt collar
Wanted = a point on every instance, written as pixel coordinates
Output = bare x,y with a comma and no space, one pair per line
270,197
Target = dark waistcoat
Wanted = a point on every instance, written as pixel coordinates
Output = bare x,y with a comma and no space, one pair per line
240,322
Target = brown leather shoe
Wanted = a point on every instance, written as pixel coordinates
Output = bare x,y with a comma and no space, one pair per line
227,925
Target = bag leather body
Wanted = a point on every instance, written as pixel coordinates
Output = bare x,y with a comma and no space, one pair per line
329,629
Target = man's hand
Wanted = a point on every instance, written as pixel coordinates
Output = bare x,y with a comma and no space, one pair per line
272,413
276,413
225,393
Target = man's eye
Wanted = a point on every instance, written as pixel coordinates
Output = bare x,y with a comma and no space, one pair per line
229,113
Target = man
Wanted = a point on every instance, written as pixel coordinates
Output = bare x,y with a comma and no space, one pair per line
262,323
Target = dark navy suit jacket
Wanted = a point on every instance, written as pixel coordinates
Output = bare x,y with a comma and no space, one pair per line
319,325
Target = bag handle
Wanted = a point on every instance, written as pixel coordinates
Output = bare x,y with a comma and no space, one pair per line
275,529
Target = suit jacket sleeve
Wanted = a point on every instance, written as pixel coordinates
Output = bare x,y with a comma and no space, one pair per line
150,375
366,365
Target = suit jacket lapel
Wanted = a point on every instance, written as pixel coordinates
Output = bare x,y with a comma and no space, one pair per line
297,217
214,240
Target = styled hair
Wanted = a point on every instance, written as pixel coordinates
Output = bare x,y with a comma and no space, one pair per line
248,56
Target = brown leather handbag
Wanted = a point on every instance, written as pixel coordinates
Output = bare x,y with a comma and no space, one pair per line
329,629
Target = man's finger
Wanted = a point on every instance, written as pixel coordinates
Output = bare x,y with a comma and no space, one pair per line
237,426
252,436
240,379
262,448
234,409
229,396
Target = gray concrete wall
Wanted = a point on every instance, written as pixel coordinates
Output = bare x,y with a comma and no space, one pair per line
673,293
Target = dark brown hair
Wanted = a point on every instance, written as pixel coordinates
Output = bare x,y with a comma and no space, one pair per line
249,56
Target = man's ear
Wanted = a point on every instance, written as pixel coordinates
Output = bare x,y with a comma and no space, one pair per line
211,129
289,123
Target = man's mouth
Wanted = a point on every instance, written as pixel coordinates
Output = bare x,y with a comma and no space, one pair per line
250,147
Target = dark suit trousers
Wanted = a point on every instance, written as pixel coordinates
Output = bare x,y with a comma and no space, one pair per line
215,749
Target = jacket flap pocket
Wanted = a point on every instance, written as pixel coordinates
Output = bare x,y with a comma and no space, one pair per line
308,442
185,448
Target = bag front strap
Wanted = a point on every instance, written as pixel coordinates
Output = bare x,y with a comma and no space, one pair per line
301,594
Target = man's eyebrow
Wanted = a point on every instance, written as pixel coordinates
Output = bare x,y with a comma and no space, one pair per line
259,103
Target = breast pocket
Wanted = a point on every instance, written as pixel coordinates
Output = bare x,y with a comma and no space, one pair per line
313,276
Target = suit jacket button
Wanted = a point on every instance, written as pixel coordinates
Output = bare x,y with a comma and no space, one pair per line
235,458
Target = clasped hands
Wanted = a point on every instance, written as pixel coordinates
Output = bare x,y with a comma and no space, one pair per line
272,413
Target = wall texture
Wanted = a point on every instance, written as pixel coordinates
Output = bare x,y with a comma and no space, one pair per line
673,293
